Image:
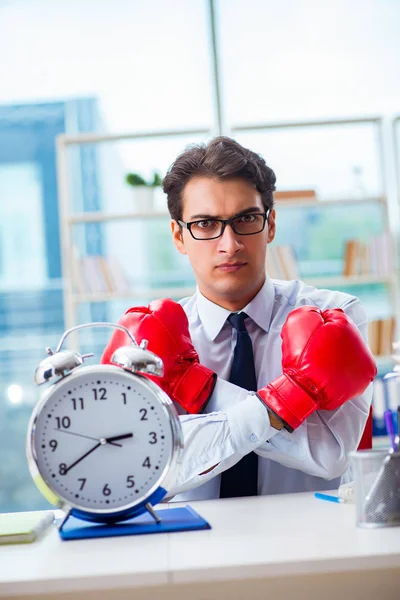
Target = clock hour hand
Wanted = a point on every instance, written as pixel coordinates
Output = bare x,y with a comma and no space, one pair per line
82,457
114,438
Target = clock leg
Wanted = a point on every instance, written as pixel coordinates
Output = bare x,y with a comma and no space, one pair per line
64,520
153,513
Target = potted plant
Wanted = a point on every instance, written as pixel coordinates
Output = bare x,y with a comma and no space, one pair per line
143,190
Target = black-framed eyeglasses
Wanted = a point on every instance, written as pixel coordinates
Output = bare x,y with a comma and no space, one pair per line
210,229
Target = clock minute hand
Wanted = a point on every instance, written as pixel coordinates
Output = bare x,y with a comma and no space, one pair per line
82,457
114,438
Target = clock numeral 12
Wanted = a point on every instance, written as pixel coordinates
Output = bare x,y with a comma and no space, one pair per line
100,394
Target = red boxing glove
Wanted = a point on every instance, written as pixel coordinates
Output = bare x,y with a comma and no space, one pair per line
165,326
325,363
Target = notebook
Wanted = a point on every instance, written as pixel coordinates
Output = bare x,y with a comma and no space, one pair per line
24,527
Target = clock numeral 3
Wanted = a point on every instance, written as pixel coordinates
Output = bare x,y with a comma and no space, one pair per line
100,394
106,490
153,437
130,482
64,422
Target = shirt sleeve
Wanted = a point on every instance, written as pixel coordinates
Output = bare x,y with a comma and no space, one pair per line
216,441
321,445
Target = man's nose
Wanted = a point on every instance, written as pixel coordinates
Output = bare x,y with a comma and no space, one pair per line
230,241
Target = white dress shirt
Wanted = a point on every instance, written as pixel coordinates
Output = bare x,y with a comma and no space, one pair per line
315,455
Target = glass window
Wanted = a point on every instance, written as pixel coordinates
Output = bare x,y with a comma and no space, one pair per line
22,240
301,60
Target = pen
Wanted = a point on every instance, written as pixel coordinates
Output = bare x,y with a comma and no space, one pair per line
398,429
390,428
328,497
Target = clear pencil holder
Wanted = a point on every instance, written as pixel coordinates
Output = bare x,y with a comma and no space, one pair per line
377,487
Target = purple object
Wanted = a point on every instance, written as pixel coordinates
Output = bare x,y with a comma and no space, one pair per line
388,415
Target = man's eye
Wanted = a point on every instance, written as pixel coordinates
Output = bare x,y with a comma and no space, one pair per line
209,224
247,218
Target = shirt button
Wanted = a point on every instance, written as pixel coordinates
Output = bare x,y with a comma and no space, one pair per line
253,437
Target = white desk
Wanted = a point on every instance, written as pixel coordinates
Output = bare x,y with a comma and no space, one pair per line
266,547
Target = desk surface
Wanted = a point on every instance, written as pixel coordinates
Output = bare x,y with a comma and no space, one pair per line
265,537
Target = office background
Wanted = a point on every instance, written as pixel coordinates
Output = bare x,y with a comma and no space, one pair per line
312,86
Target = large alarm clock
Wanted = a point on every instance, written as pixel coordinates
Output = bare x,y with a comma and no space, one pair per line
103,441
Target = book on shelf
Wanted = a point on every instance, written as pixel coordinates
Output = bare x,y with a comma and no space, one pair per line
373,258
384,395
95,273
381,333
282,262
295,195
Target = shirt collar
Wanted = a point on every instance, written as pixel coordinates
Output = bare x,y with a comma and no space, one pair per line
259,309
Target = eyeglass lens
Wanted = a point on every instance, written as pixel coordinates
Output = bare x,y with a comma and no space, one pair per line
242,225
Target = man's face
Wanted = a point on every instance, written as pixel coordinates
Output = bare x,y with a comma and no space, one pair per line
229,270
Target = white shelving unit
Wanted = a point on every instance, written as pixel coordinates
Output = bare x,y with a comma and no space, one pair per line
69,219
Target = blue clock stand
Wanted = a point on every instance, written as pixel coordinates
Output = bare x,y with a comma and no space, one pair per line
79,525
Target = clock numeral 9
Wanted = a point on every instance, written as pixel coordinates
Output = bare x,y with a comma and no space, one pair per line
106,490
130,483
77,403
100,394
64,422
53,445
153,437
62,469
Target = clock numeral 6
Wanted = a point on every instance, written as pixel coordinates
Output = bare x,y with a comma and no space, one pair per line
106,490
130,483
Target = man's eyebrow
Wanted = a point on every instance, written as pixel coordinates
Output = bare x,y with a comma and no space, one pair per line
246,211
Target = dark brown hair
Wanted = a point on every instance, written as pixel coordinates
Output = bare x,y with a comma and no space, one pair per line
222,158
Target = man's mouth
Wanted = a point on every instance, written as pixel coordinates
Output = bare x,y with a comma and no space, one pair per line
231,267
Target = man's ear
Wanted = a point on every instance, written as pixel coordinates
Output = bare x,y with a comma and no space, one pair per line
271,226
177,237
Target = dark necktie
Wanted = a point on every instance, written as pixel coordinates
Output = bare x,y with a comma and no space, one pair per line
241,479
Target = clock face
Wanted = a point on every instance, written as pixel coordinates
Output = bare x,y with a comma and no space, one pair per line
102,439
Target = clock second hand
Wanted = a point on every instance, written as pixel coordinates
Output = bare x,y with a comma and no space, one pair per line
88,437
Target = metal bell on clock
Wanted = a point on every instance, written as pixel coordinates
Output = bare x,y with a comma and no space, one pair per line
57,364
137,359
